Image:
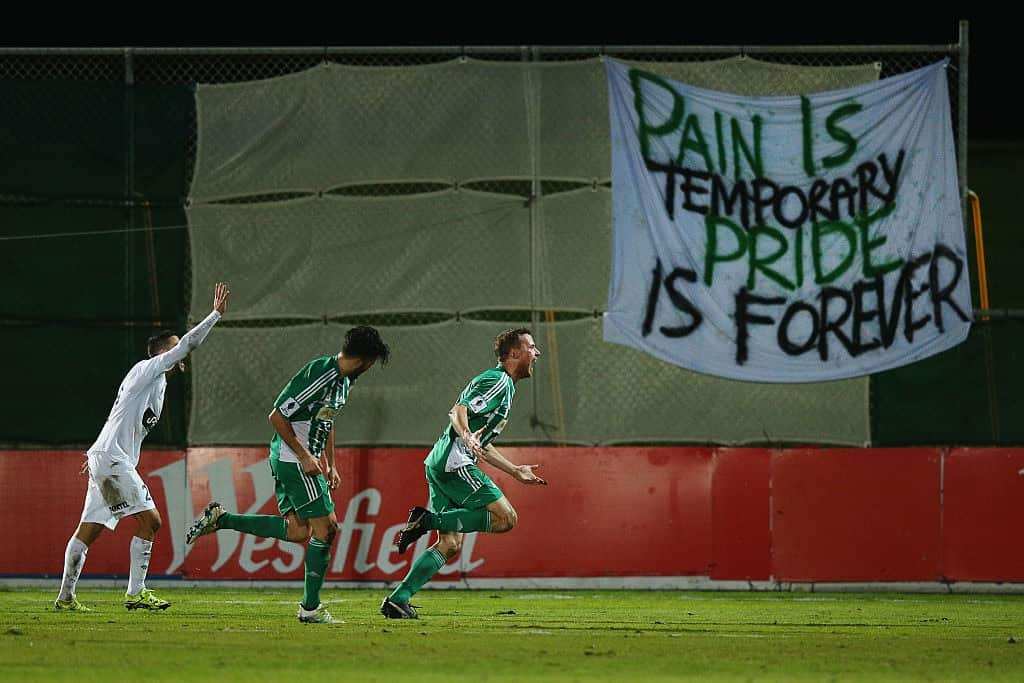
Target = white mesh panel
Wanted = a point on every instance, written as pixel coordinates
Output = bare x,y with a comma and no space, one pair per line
450,251
334,125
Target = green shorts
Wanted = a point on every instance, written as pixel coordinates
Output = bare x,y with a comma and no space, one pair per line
305,495
466,487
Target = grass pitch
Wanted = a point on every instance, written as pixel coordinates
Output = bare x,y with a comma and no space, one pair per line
252,635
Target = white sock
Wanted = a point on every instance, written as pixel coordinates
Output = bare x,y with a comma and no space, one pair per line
74,560
141,549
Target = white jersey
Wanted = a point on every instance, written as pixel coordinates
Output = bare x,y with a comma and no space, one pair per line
140,399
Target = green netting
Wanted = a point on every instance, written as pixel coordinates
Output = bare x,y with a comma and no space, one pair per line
80,263
96,255
995,173
68,139
159,265
1004,366
968,395
60,380
62,139
88,277
163,117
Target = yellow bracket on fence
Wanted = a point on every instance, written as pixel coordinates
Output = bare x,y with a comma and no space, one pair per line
979,249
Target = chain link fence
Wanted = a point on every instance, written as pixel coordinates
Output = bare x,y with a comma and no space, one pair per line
149,177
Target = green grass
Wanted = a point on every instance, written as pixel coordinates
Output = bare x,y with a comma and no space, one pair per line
252,635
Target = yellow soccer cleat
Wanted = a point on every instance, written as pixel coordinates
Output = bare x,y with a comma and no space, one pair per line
71,605
146,599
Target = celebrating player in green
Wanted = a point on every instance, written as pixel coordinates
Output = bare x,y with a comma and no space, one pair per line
462,498
303,417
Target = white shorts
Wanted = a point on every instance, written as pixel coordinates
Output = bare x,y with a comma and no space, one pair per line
115,491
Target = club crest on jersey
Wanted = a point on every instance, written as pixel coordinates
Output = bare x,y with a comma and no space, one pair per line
326,414
478,404
289,407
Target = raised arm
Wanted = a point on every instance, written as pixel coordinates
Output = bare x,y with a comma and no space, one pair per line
193,338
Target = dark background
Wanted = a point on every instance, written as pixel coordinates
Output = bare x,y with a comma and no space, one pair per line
992,56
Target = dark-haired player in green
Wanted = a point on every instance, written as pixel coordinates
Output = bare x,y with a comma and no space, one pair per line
462,498
303,419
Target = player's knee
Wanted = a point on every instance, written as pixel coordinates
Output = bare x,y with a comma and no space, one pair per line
332,531
149,522
297,533
324,529
503,521
88,532
449,547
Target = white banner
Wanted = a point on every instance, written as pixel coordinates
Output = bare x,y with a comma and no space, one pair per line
785,239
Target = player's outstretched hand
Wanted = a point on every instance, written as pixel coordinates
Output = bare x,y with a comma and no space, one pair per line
220,297
524,473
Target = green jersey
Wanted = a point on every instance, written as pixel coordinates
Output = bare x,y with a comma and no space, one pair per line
488,400
310,401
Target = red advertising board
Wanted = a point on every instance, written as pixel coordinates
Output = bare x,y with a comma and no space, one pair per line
41,498
741,536
605,512
856,515
801,515
983,514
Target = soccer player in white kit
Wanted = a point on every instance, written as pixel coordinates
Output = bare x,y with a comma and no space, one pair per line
115,488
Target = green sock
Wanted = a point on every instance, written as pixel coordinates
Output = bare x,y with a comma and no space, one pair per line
463,520
425,566
264,526
318,554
